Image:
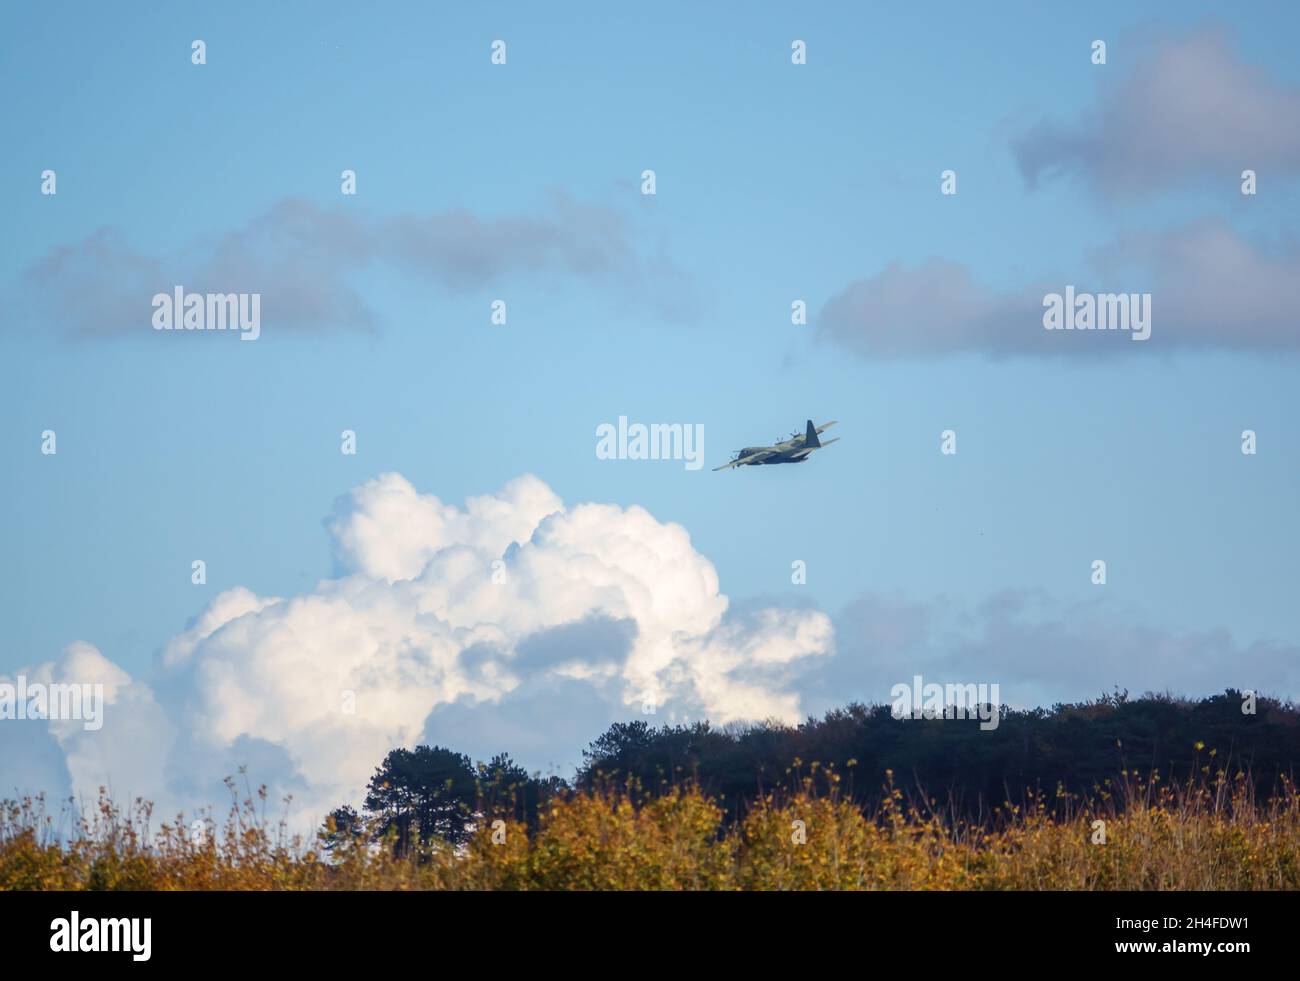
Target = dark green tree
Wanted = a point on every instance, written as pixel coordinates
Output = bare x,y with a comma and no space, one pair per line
507,790
343,826
421,794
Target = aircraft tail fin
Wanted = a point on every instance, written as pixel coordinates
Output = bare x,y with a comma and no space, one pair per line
810,436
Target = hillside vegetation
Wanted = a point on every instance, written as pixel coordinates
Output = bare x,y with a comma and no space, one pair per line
694,808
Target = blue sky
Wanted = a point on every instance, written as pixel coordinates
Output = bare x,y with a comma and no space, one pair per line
775,182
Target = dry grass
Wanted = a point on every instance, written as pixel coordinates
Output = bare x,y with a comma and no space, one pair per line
1204,835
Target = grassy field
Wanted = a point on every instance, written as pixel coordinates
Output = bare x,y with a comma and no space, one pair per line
1138,834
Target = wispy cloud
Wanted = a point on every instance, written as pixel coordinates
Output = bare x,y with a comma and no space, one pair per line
1170,110
1039,649
1210,288
309,261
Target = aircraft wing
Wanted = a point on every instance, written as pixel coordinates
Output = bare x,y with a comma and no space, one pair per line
825,426
741,461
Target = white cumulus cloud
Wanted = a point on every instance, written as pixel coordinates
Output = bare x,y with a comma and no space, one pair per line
449,622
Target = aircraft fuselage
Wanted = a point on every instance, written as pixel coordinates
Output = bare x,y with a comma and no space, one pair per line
785,454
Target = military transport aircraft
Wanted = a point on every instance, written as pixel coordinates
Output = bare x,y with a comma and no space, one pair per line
796,449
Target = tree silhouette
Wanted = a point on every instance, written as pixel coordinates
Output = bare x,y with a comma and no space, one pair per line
505,789
1077,747
343,826
417,795
1080,748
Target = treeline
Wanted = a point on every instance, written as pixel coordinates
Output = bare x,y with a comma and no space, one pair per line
1076,747
1069,752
